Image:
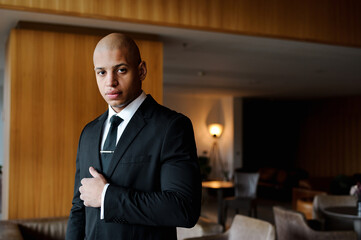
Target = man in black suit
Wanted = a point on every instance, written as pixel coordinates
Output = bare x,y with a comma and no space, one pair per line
150,182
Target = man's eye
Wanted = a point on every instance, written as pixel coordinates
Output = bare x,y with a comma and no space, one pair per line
122,70
101,73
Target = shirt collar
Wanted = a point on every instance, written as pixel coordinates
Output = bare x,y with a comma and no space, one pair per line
127,113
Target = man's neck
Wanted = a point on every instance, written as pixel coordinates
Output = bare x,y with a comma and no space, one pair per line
119,108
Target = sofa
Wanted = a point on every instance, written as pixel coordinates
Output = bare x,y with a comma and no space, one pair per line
34,229
55,229
278,183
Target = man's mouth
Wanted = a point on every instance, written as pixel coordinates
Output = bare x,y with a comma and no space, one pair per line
113,94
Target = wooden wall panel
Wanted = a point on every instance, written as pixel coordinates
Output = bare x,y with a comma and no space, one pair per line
330,142
328,21
53,95
152,54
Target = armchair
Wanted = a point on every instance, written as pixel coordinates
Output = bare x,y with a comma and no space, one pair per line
244,228
321,202
245,189
292,225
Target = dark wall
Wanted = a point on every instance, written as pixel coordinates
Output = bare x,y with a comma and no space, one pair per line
271,132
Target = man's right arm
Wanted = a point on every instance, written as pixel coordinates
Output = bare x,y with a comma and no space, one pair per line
76,222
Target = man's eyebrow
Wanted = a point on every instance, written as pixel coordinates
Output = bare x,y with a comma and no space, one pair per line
119,65
114,67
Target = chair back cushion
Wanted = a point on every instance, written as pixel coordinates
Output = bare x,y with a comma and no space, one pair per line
245,184
290,224
251,229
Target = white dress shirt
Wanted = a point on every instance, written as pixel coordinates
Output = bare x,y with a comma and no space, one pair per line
126,114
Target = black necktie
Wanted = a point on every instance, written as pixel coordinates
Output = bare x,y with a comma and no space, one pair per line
110,142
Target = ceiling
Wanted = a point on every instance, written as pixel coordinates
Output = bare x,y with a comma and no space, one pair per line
200,62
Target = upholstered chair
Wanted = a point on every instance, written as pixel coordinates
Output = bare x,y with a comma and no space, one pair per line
321,202
245,191
204,227
246,228
292,225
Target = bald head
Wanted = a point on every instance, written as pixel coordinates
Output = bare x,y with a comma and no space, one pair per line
120,41
119,70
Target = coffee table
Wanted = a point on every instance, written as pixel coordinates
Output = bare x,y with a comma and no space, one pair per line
220,186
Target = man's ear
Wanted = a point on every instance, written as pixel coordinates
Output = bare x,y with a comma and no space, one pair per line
142,69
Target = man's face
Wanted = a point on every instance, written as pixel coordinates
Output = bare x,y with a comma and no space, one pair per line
119,81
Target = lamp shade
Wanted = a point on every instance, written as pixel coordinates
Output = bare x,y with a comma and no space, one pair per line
215,129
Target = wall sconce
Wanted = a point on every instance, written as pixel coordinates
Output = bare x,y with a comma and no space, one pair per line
218,169
215,129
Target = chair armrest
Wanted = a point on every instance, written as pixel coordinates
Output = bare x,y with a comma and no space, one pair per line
9,230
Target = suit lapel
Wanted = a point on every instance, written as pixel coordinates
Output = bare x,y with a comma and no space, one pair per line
130,132
135,125
95,142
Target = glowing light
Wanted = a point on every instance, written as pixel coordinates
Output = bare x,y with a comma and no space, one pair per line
215,129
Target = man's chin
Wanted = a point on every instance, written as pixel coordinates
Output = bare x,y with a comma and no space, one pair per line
119,106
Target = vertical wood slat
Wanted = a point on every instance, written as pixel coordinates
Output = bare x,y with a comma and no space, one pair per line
53,95
329,21
330,142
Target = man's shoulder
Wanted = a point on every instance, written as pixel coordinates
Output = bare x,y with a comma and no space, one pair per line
160,111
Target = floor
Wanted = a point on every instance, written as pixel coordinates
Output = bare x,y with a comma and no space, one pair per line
264,209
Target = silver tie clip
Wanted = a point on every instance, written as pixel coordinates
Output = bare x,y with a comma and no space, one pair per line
106,151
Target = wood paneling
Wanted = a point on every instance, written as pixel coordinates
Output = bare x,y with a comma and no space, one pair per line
329,21
330,142
152,54
53,95
49,27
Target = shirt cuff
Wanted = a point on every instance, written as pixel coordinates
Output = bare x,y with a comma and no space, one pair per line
102,201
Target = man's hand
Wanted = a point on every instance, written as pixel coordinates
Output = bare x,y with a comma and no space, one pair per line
92,188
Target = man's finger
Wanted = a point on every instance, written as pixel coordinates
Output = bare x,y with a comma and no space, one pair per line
93,172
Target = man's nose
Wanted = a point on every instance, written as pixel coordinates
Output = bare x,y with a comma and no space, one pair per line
111,79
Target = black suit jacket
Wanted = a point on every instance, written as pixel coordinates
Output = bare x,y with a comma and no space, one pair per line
154,178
